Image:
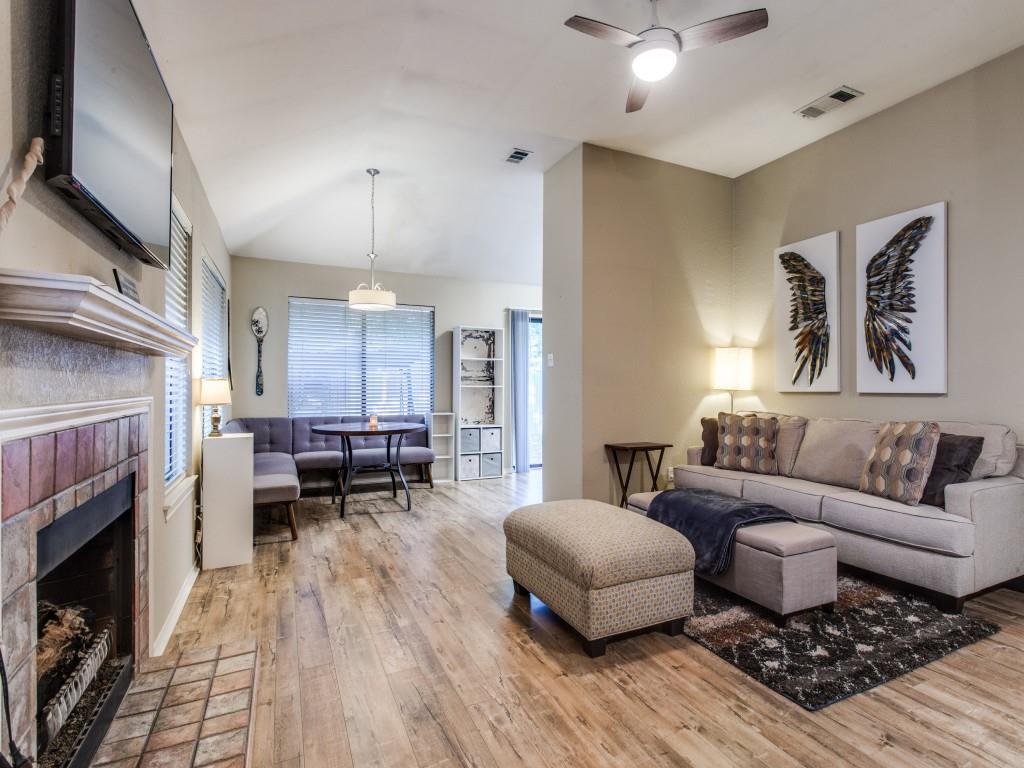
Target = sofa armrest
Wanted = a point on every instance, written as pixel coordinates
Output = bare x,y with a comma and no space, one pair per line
975,498
693,455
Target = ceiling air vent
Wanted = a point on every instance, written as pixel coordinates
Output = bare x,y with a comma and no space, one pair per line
831,100
517,155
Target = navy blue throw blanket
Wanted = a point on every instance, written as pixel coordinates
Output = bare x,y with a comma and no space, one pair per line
710,520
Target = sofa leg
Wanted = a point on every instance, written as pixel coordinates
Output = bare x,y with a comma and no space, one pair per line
674,627
595,648
520,589
291,521
950,604
430,474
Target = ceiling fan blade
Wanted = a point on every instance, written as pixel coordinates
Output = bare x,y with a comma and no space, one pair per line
638,92
722,29
602,31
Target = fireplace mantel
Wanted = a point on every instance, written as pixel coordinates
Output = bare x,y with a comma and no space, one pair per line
86,309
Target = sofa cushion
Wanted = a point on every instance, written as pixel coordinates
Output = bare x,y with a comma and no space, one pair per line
834,451
313,460
898,466
999,452
747,443
372,457
273,463
305,440
801,498
726,481
275,488
922,526
268,434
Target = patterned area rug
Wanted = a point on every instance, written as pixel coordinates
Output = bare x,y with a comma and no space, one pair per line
874,636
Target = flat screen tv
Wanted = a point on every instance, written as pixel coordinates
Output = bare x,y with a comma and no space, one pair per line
110,125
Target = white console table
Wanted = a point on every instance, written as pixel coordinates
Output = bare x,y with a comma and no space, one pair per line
227,500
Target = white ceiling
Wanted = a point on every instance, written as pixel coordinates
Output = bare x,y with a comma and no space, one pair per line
284,104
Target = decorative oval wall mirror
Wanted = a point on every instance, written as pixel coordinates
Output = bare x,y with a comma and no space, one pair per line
259,324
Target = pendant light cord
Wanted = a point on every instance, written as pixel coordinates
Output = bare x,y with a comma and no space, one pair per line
373,226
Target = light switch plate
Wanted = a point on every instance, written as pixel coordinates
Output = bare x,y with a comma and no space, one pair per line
551,359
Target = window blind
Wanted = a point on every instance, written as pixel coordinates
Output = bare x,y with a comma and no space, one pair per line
178,381
214,336
345,362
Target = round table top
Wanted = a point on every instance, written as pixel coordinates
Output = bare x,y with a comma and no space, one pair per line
363,428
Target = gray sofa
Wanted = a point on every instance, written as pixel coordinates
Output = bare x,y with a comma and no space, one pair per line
974,544
288,455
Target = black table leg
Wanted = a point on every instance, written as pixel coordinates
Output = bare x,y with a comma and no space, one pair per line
401,475
623,484
391,470
349,472
655,472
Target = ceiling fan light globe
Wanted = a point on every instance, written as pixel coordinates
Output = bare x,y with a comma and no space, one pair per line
654,62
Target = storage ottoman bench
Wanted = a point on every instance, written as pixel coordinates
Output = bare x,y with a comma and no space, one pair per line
785,567
603,569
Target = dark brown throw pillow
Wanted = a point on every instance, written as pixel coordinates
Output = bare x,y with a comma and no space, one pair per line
954,462
709,435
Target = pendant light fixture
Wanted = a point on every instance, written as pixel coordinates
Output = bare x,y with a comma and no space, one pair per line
372,297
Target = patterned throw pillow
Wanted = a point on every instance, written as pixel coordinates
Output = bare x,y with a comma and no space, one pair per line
747,443
898,466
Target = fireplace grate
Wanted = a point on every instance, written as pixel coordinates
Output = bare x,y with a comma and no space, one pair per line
57,710
77,742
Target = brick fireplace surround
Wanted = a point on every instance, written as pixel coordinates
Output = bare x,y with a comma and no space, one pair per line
77,453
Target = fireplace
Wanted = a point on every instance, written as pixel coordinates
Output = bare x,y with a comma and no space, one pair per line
75,552
85,572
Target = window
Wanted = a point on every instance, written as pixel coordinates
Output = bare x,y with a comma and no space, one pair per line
178,378
345,362
215,331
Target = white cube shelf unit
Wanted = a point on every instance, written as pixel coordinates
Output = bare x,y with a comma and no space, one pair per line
442,440
479,401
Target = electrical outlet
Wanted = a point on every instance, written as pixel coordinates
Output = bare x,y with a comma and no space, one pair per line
551,359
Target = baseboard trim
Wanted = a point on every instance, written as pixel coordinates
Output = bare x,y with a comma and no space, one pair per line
159,644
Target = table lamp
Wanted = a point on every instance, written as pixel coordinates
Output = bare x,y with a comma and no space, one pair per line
215,392
733,370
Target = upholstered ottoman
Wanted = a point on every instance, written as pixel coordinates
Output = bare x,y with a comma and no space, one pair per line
603,569
786,567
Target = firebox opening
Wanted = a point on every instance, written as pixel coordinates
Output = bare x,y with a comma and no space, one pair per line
85,627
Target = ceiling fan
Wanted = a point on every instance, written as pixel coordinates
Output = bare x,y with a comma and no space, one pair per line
656,48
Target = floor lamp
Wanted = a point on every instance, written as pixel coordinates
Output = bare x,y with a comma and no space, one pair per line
733,371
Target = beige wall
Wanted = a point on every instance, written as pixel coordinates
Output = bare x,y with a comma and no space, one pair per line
962,141
46,234
563,328
653,282
260,282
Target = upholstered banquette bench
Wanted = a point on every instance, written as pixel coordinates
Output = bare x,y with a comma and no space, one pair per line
290,460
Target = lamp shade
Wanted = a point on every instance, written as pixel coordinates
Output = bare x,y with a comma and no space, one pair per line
734,369
214,392
371,299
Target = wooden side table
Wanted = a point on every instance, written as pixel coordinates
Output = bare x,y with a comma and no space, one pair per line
633,449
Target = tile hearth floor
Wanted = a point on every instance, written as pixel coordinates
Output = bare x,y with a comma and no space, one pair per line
192,709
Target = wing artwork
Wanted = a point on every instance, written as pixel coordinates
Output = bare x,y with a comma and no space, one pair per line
808,315
890,299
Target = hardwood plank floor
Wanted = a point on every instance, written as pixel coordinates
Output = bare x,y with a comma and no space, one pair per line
392,638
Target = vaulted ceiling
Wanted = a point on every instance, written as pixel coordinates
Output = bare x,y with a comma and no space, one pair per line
284,104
